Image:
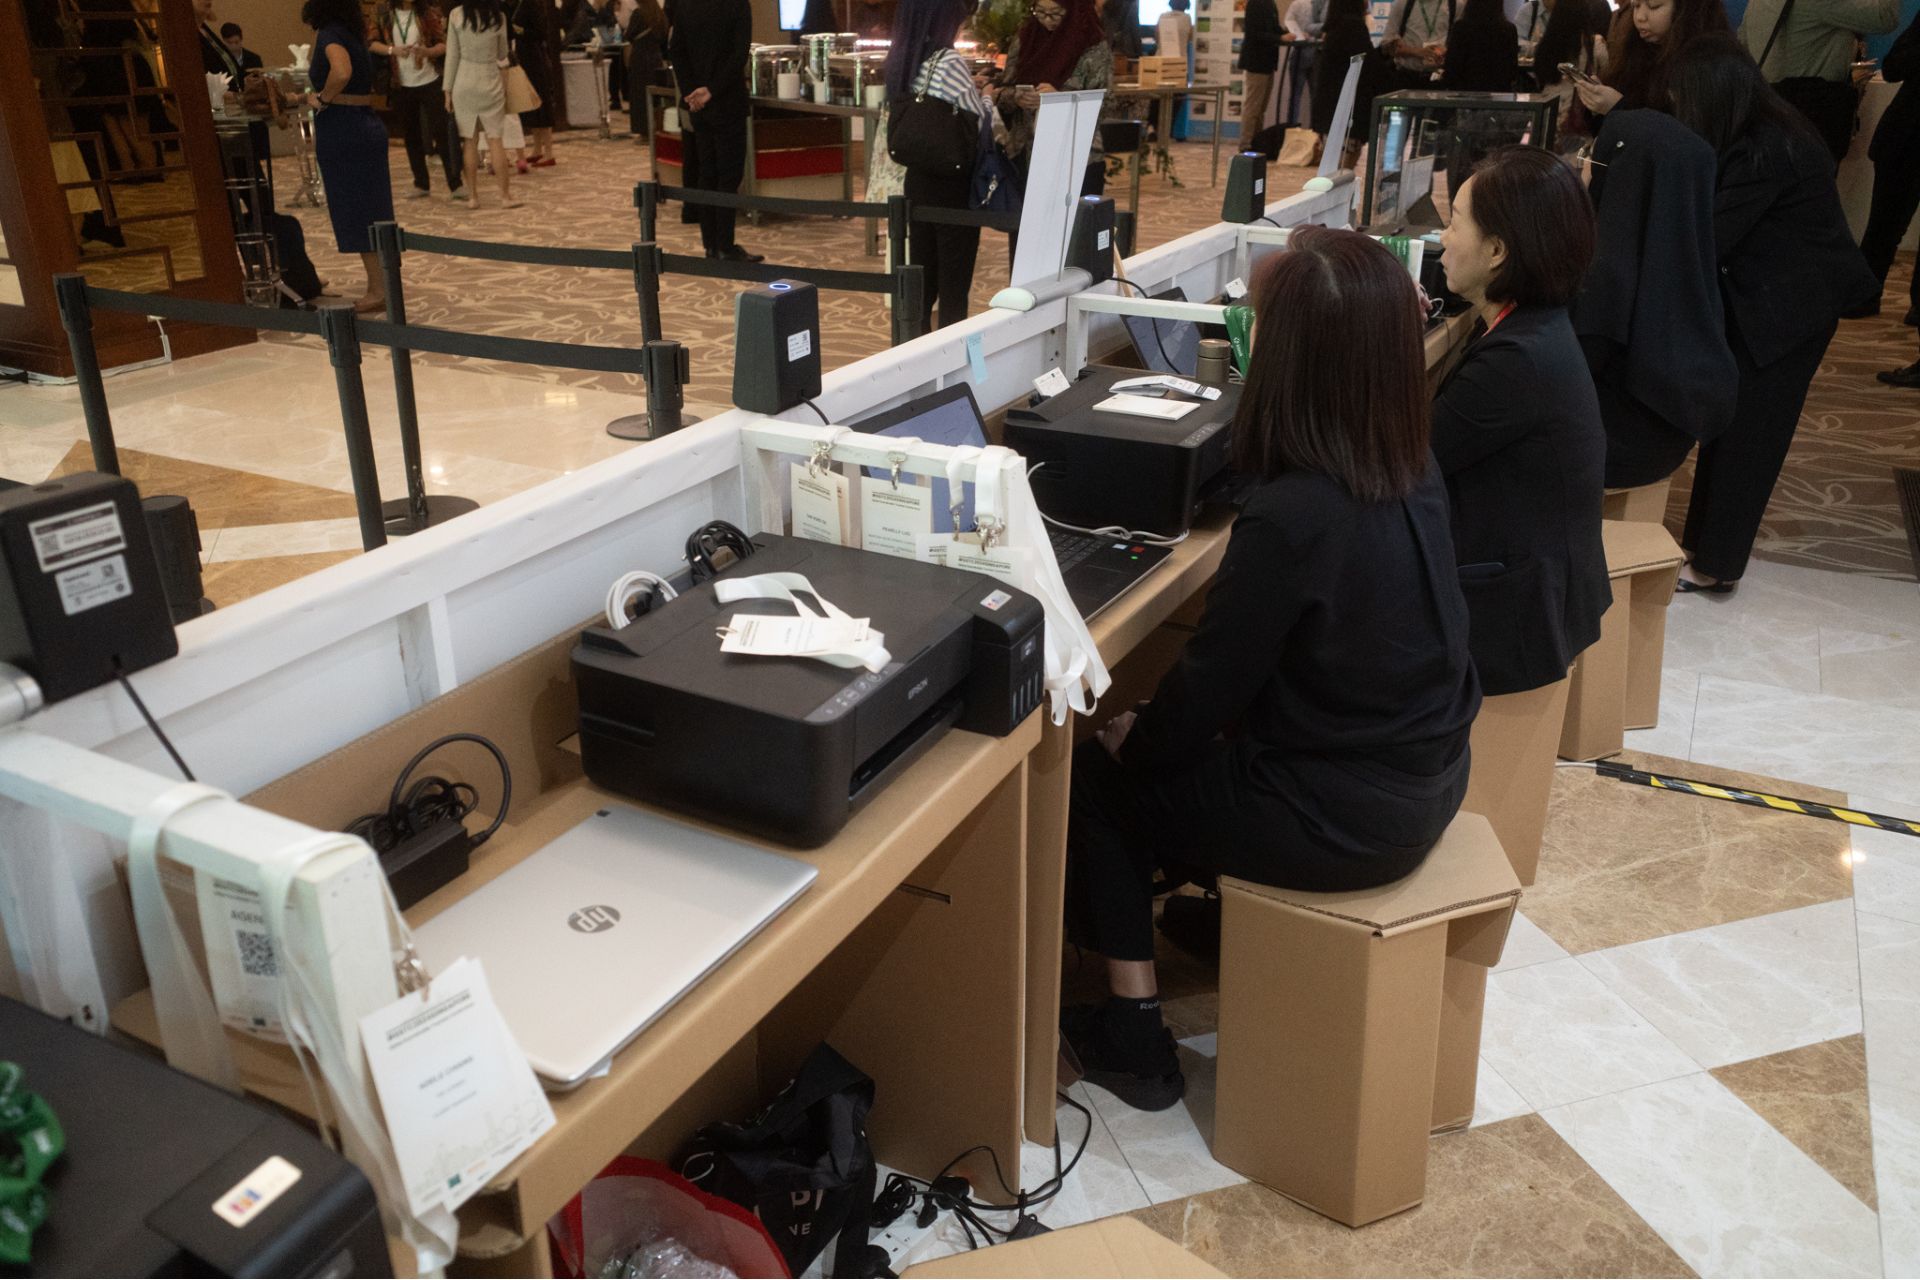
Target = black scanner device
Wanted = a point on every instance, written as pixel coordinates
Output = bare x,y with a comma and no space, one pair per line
785,747
1102,469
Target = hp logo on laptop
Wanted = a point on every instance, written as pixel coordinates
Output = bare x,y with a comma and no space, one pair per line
597,919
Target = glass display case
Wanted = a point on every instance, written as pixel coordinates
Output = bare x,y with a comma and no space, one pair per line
1421,137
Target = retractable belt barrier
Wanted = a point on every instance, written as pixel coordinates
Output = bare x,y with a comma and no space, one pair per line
345,334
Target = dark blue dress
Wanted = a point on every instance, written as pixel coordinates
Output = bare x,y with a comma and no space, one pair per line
351,145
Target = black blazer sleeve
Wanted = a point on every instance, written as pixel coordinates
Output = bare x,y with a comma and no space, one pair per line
1255,601
1484,407
1903,59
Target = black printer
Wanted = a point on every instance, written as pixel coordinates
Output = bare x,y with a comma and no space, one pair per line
1108,469
165,1175
784,747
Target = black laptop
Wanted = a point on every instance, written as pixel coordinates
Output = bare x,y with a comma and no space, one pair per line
1097,570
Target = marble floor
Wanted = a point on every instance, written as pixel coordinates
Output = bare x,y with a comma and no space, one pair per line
1702,1047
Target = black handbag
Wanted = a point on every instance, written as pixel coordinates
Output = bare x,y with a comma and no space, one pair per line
803,1165
926,134
1828,105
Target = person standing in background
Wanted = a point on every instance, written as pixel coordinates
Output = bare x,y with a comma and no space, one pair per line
1483,52
412,33
1788,271
1637,60
646,40
1061,46
1417,32
1259,59
533,25
349,142
708,46
235,39
1573,35
1120,20
1305,20
1173,38
1530,21
476,93
1895,152
921,61
1814,41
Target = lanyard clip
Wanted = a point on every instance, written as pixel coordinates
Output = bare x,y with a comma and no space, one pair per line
821,459
897,460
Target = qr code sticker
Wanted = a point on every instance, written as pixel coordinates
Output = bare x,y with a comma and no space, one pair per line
256,954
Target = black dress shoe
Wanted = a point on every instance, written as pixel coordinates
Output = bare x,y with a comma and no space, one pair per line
1907,377
1912,318
1146,1076
734,253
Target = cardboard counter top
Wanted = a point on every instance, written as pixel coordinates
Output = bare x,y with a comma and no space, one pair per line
872,857
1122,1247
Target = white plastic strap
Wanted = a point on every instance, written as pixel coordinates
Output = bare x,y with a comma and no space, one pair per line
190,1027
870,653
312,1027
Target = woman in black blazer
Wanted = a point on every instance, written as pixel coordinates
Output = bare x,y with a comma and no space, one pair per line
1789,269
1516,427
1313,734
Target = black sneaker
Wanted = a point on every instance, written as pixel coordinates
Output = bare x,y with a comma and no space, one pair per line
1146,1078
1193,924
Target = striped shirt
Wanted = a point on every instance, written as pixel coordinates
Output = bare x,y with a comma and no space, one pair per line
945,76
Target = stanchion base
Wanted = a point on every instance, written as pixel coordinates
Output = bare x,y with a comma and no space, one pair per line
441,507
638,426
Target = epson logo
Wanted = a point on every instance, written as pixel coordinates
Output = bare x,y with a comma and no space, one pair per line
595,919
918,689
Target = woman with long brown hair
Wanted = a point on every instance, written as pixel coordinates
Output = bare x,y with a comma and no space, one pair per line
1636,63
1313,734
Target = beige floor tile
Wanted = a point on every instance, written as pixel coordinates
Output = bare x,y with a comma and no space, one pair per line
1622,863
238,580
1510,1199
1817,1097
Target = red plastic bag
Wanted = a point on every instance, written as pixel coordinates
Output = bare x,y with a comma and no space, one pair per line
633,1204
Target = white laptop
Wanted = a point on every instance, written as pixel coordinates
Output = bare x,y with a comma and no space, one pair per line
594,936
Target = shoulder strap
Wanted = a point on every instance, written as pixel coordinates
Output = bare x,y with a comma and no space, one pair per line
1778,23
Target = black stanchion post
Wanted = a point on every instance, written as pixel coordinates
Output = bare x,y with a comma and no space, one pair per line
909,302
646,197
77,316
897,229
417,510
1125,223
343,349
647,270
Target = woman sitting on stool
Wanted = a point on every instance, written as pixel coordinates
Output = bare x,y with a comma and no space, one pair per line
1516,427
1313,735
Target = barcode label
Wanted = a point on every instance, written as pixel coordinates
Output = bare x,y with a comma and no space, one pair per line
73,536
256,954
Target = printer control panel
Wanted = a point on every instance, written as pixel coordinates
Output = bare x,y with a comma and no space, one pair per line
850,697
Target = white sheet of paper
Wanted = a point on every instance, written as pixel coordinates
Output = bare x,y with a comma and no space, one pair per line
1147,407
459,1098
819,504
771,637
890,518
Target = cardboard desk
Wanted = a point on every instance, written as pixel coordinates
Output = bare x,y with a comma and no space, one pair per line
922,887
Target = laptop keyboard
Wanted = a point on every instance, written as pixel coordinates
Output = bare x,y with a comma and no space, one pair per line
1070,548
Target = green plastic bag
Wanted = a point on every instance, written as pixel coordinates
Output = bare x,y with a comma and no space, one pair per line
1240,334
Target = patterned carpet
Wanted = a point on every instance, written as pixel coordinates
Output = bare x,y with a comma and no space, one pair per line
1834,507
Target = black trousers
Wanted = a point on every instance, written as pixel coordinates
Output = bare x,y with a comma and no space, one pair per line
720,151
1123,827
425,126
1896,197
1736,472
946,253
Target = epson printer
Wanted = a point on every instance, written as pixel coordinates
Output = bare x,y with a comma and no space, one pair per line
788,747
1105,469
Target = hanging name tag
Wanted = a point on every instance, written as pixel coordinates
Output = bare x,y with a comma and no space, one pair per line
819,504
240,959
1004,563
771,637
932,548
459,1098
890,518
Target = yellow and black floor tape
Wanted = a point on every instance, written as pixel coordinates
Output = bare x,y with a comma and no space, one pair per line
1811,808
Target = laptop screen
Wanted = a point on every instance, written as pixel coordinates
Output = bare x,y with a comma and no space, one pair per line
1166,346
949,416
